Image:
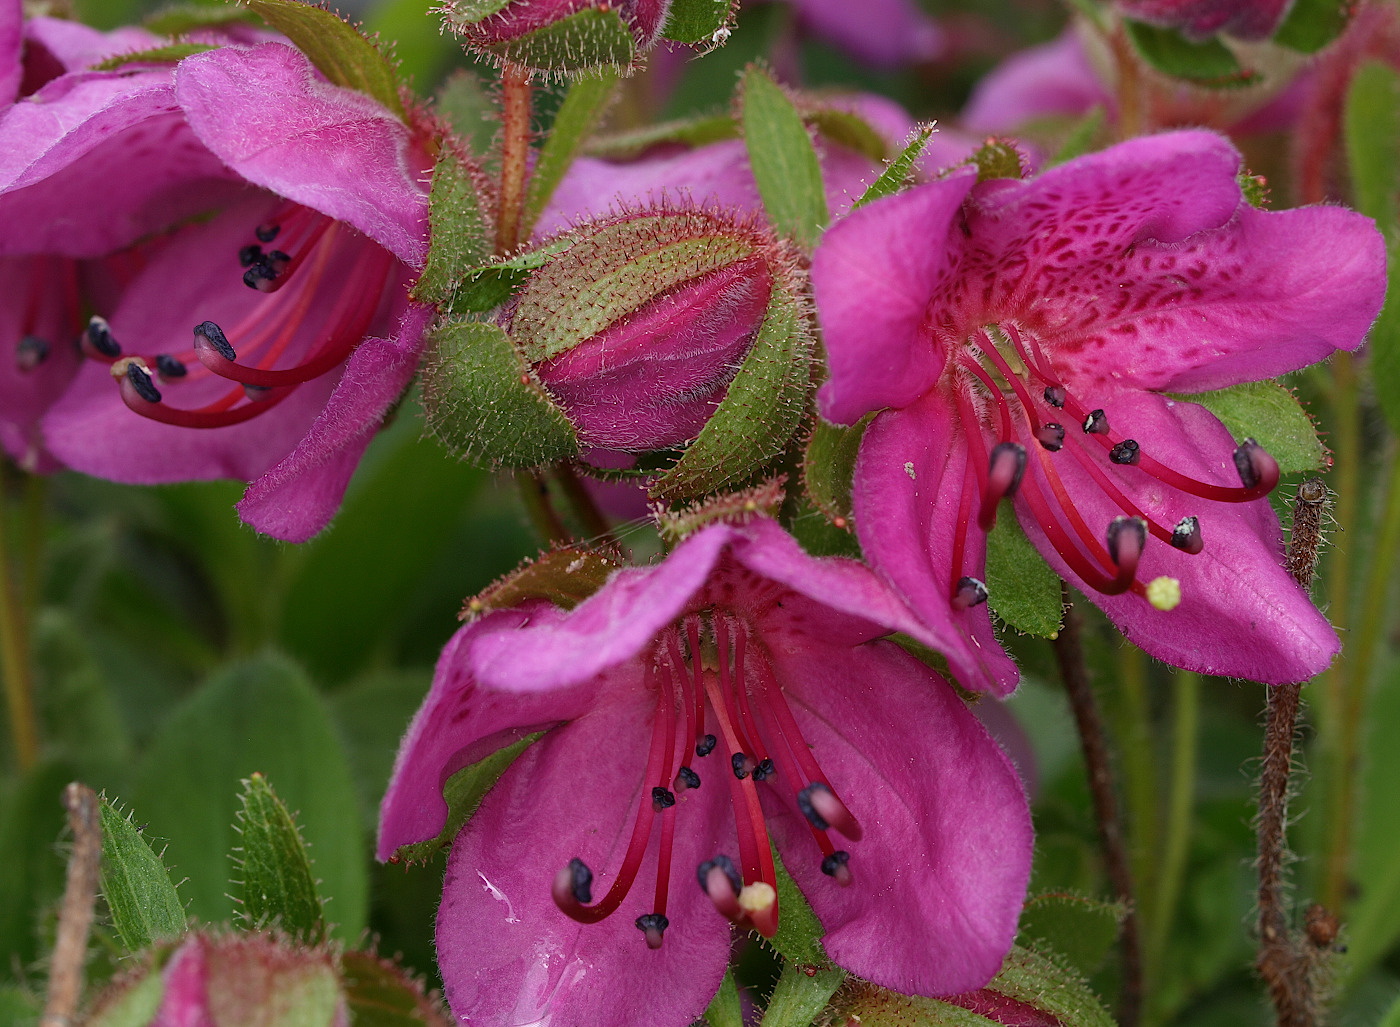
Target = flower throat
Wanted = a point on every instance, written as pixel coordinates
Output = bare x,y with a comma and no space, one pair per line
758,742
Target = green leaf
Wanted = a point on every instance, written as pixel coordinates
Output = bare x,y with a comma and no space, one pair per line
801,994
1373,155
1208,63
1081,137
144,904
759,413
697,131
1029,977
182,19
484,404
277,887
725,1010
257,716
1270,414
829,465
169,54
1078,928
1021,587
589,41
578,116
849,130
698,21
463,793
784,162
798,939
462,100
337,48
490,285
1391,1018
461,238
1312,24
380,994
900,171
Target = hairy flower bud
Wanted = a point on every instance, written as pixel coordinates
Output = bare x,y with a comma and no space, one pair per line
558,36
646,332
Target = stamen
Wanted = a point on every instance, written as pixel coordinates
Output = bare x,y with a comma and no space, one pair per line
1126,452
1096,422
98,341
141,382
1186,536
250,255
706,746
837,865
1126,538
686,779
719,879
170,367
1055,395
764,770
743,765
1005,469
267,232
661,798
1257,468
1051,436
653,925
970,592
31,352
573,884
207,334
760,901
822,808
964,514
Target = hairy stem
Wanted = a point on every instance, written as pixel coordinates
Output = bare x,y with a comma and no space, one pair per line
75,917
1069,654
534,493
515,149
14,655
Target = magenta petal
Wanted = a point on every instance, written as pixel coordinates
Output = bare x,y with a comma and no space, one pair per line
185,1002
1241,615
76,172
941,873
461,723
508,955
1054,78
76,47
298,497
38,297
872,276
1266,294
882,33
332,149
909,481
11,47
606,629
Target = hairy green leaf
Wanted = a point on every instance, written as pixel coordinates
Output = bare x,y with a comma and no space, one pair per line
829,465
784,162
461,237
589,41
1271,415
1021,587
1208,63
380,994
277,886
170,54
900,171
801,994
1078,928
181,19
798,939
144,905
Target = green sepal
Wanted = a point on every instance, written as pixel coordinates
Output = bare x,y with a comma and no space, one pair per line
181,19
1021,587
799,934
762,500
489,285
1209,63
1312,24
463,793
759,413
169,54
259,979
583,108
699,21
801,994
606,273
277,886
1254,188
900,172
143,902
565,577
469,12
588,41
783,159
133,999
829,467
1373,155
483,403
872,1006
1043,982
724,1009
697,131
849,130
1081,929
336,47
461,237
1081,137
380,993
999,158
1271,415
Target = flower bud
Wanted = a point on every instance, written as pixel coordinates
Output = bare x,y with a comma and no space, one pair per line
558,36
646,332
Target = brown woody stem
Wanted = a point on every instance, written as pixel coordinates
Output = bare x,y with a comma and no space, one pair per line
75,918
515,150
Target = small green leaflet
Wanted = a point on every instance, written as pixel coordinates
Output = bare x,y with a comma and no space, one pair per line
145,907
277,886
783,160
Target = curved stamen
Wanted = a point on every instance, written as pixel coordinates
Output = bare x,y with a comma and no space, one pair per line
720,880
1004,472
960,532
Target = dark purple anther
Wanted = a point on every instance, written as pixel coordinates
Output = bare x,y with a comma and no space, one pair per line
970,592
31,352
141,382
1096,423
1051,436
1055,395
653,925
170,367
661,798
1186,536
99,338
1126,452
686,779
250,255
268,232
706,745
837,866
214,336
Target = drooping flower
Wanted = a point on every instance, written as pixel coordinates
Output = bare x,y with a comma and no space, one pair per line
266,342
1024,338
735,694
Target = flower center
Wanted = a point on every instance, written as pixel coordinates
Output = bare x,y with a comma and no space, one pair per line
732,688
1002,367
290,336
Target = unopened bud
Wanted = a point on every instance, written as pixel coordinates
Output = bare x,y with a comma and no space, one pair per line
558,36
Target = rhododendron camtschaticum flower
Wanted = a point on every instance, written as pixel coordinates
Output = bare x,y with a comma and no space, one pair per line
266,342
737,692
1024,337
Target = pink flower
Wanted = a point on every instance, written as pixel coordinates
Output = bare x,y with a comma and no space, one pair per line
736,693
1023,338
881,33
264,343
